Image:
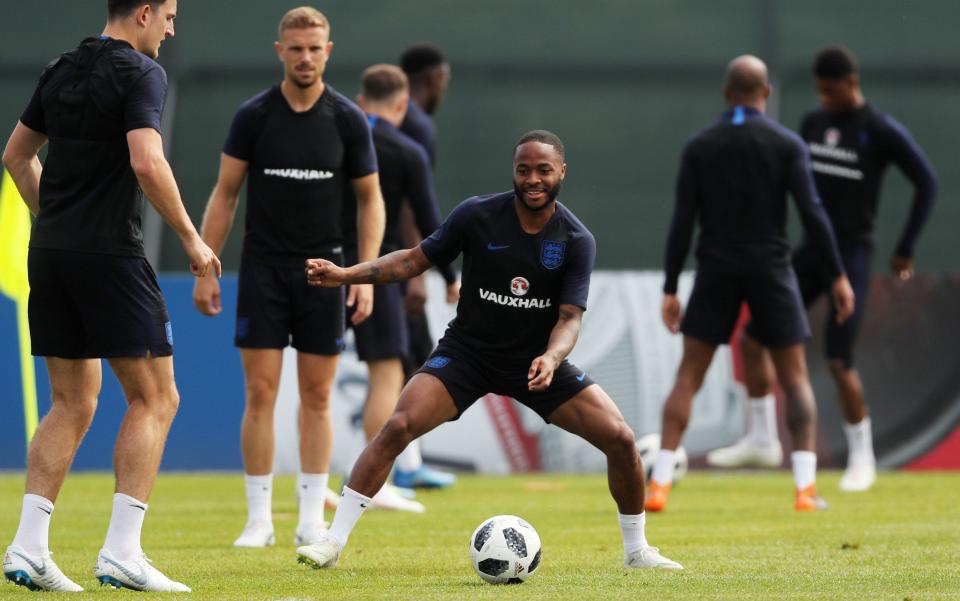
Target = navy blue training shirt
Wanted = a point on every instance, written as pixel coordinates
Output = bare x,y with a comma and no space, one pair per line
850,153
418,125
85,103
299,165
404,175
513,283
734,178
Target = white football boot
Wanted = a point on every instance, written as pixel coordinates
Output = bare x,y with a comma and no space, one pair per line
746,453
36,572
389,498
136,574
322,554
649,557
859,475
307,535
255,535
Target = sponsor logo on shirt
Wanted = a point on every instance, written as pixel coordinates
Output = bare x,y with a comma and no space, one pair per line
299,174
519,286
513,301
838,154
831,137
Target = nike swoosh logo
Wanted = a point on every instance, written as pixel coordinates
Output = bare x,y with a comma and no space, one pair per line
39,569
491,246
581,377
140,507
364,505
45,510
138,579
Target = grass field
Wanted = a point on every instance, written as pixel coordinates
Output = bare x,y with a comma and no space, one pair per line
736,534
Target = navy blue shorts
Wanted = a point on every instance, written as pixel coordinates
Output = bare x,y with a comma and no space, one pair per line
469,375
383,335
88,306
779,318
276,308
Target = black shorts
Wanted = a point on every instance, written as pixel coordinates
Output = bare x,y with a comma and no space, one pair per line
779,318
383,335
468,375
88,306
276,308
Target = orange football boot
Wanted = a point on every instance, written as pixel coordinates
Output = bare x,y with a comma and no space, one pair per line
657,496
808,499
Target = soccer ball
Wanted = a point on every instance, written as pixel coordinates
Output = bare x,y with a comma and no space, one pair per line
649,447
505,549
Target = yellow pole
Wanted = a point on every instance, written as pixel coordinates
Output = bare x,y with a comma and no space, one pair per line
27,373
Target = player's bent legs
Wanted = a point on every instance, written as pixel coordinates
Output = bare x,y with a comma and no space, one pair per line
386,382
315,374
593,416
697,356
261,372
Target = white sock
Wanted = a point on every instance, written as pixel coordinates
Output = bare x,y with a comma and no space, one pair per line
804,465
663,466
859,442
259,498
762,420
312,489
410,459
631,526
33,535
126,522
352,505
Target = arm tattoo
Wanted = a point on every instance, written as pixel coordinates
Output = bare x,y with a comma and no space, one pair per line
390,268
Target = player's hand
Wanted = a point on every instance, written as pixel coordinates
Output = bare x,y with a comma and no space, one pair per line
540,374
203,260
670,312
901,267
453,292
206,295
843,298
321,272
361,297
415,298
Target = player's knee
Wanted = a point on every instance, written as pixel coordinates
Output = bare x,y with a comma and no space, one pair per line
315,397
676,416
840,367
397,432
261,394
79,409
621,443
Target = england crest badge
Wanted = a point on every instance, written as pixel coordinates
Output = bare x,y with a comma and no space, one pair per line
551,253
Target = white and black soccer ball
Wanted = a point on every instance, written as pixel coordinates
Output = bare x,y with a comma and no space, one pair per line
505,549
649,446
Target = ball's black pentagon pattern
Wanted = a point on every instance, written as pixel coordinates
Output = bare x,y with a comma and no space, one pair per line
515,542
535,563
493,567
483,535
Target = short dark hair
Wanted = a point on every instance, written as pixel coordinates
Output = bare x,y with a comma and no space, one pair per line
835,62
544,137
381,82
118,9
419,58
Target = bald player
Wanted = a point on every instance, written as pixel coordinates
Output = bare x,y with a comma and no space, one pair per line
734,179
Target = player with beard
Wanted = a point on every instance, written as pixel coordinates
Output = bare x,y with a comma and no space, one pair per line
526,275
299,144
852,143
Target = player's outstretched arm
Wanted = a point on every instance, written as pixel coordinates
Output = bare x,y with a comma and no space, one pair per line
395,267
563,337
158,184
20,159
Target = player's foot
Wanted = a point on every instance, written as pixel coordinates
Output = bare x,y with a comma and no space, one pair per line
330,500
859,476
256,534
136,574
423,477
307,535
321,554
649,557
808,499
656,496
746,453
389,498
36,572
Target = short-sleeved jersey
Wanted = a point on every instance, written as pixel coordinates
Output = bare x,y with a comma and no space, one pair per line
512,283
298,166
418,125
734,178
850,152
85,103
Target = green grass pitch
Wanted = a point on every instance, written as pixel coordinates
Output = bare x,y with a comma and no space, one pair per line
735,533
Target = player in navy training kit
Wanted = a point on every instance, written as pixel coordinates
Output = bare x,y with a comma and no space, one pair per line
300,144
851,143
734,177
93,294
383,339
526,275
